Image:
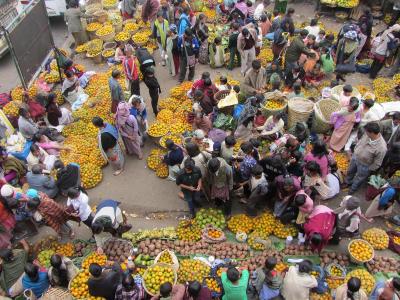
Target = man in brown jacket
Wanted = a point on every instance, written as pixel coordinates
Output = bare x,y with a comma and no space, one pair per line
255,80
246,45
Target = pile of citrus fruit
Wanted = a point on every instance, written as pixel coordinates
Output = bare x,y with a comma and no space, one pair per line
155,158
166,258
157,129
92,258
79,287
11,108
361,250
253,240
265,56
188,231
210,216
241,223
214,233
156,275
334,283
265,223
377,237
342,162
283,231
274,104
192,269
213,285
66,249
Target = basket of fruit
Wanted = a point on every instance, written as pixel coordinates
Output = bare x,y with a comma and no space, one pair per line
167,257
109,45
214,284
360,251
96,57
337,91
378,238
101,16
212,234
110,4
335,271
299,110
322,114
275,102
107,53
156,275
106,33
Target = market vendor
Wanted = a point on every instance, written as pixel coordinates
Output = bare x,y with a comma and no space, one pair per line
203,122
62,271
12,267
104,281
273,127
173,159
108,219
319,227
254,80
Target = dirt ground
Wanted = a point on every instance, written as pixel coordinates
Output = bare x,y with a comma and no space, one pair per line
153,202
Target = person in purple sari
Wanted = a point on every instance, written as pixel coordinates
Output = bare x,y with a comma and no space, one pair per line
108,144
128,127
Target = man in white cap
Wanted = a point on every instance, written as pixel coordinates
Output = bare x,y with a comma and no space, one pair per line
11,194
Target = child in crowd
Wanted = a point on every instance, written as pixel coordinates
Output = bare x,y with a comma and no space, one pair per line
305,205
314,77
320,37
224,85
296,91
154,88
217,54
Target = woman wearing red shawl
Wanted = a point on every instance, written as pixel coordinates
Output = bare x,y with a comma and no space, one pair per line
7,224
319,227
128,128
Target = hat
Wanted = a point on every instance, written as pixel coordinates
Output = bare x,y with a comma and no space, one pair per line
32,193
7,190
199,134
173,28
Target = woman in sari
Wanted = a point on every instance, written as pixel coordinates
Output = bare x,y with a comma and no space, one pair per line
343,122
108,144
128,127
11,169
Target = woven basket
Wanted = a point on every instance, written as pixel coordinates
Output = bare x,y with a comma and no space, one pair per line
175,261
299,110
158,264
107,37
329,267
57,294
337,90
97,59
268,111
322,113
101,16
353,259
228,110
109,45
209,239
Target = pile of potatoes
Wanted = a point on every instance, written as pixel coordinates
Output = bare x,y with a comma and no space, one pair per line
117,250
221,250
256,261
297,250
383,264
336,258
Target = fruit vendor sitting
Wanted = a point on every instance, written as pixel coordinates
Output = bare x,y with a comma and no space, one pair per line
12,267
104,282
108,221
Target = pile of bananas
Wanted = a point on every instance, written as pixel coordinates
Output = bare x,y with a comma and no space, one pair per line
130,27
165,233
92,27
157,129
122,36
17,93
382,87
108,53
11,108
104,30
141,37
265,56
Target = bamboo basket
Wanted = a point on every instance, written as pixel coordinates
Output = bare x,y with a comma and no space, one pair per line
107,38
55,293
353,259
109,45
337,90
158,264
269,111
97,59
101,16
322,113
299,110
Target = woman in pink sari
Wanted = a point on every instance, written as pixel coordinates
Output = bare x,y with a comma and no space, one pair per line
343,122
128,127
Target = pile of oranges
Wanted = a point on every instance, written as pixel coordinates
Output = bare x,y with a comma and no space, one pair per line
94,257
367,280
361,250
342,162
214,233
280,267
79,287
377,237
274,104
241,223
166,258
213,285
192,269
156,276
396,240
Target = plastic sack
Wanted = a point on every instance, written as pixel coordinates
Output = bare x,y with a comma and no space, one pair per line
238,111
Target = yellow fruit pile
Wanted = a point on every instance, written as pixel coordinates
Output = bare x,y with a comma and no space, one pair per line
169,103
109,3
33,90
367,280
265,224
179,128
156,276
11,108
347,3
67,249
265,56
241,223
108,53
361,250
162,170
188,231
396,78
92,258
382,87
166,258
213,285
52,77
157,129
94,47
191,270
342,162
91,175
336,271
253,242
334,283
274,104
155,158
325,296
140,37
79,288
180,90
17,93
92,27
81,48
130,27
283,231
165,116
177,139
377,237
122,36
280,267
211,14
396,239
104,30
362,89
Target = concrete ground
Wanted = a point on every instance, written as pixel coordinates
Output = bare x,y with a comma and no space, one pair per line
153,202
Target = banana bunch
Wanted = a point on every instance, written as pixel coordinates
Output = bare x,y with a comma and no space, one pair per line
166,232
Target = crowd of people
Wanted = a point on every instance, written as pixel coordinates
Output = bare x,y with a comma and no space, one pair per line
294,176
